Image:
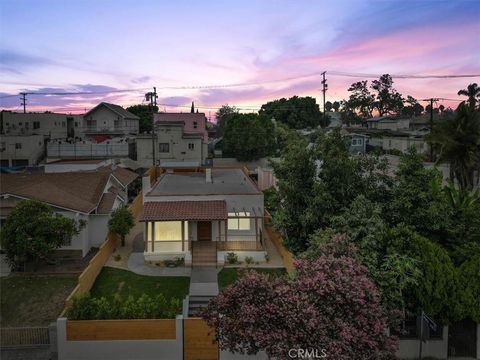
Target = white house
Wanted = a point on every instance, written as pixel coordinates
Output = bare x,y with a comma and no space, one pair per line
202,216
110,120
404,143
86,195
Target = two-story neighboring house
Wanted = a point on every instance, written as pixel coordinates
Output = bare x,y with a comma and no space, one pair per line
24,136
110,120
179,138
87,195
202,216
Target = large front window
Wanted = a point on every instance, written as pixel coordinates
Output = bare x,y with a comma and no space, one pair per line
167,230
238,223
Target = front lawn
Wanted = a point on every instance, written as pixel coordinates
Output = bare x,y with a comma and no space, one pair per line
111,282
34,300
228,276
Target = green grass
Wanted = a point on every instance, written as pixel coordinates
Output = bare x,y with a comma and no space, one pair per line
228,276
34,300
111,282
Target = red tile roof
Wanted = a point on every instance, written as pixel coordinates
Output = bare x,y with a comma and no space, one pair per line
184,210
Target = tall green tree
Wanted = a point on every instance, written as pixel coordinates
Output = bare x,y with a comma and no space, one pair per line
387,99
361,100
336,106
473,93
417,199
33,231
437,293
248,137
222,115
144,112
121,222
458,142
295,112
328,106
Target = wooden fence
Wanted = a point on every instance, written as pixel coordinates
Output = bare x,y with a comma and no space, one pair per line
89,275
277,241
24,336
154,329
199,340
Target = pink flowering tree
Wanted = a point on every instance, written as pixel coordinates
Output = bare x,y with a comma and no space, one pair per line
330,306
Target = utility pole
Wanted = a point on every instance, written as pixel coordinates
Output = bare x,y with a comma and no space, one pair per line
24,101
152,97
324,89
431,125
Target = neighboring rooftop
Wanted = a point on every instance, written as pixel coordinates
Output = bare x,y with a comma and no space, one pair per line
224,181
115,108
81,190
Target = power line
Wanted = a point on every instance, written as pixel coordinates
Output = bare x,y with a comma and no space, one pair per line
257,83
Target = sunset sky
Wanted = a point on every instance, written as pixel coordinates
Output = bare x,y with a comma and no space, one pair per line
243,53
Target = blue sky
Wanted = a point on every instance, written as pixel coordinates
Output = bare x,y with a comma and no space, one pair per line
109,45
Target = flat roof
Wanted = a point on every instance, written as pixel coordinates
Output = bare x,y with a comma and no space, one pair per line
224,181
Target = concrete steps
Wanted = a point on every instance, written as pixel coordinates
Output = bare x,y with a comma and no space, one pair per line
196,303
204,254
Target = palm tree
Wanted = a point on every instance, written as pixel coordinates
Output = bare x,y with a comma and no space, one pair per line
458,140
473,92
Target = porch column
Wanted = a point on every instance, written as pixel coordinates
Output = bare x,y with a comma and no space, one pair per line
226,230
183,235
256,229
145,237
153,236
219,230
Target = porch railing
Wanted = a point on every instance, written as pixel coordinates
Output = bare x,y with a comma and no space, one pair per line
240,243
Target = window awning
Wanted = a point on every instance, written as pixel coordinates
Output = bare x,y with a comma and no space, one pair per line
184,210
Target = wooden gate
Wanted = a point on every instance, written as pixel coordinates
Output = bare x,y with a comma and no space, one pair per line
199,340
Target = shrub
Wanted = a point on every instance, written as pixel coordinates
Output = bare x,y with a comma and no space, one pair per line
248,260
85,307
232,258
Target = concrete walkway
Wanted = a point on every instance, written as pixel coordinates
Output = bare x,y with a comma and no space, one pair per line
203,281
137,264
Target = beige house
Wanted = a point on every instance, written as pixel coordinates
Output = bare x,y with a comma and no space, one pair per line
174,144
388,123
202,216
87,195
110,120
404,143
50,125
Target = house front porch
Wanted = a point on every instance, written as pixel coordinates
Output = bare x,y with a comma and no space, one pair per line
201,232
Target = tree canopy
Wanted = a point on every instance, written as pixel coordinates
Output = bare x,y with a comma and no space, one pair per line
295,112
248,137
222,115
121,222
144,112
330,304
33,231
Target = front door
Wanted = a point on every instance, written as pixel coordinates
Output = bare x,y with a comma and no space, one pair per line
204,231
462,339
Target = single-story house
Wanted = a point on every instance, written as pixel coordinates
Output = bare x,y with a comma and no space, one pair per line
203,215
87,195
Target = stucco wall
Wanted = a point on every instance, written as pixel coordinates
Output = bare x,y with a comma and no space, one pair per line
32,148
409,349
